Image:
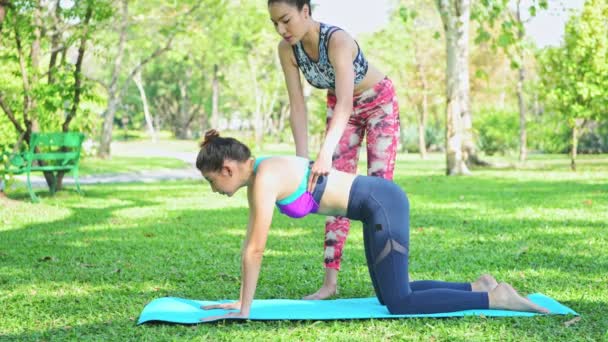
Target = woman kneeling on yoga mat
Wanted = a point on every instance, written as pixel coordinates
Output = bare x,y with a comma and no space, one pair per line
380,204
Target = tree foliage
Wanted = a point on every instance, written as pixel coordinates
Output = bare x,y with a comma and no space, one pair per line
575,75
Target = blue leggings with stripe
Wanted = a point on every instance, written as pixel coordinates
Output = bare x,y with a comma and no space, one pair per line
384,210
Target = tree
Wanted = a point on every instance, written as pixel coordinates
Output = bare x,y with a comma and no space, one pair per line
455,15
575,75
511,39
119,80
422,86
45,97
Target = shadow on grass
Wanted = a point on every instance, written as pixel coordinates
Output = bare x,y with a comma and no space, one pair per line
124,262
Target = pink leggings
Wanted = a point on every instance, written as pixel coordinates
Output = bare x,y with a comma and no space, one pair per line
375,113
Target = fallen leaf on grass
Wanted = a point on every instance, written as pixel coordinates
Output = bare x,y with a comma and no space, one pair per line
572,321
47,258
522,250
588,202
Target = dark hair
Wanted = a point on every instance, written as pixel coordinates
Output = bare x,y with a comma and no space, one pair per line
216,149
299,4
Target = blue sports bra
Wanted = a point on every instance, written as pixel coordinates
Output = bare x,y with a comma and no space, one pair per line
321,74
301,202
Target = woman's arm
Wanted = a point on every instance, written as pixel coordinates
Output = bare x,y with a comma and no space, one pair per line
298,117
262,195
341,47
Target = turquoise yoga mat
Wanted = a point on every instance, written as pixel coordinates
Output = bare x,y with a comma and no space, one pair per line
186,311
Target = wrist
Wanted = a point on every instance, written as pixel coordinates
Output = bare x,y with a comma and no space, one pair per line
325,153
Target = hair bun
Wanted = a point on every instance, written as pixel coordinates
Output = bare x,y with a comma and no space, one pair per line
209,136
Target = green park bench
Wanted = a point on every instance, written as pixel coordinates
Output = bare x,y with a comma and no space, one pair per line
48,152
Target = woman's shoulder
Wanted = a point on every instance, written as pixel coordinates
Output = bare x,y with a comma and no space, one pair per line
279,164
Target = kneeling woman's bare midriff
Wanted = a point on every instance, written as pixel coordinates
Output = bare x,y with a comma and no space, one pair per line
335,198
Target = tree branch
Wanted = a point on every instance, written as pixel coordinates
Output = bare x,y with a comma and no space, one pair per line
4,4
98,81
24,75
159,51
10,114
54,43
146,60
78,69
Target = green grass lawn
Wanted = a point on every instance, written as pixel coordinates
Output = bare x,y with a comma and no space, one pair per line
82,268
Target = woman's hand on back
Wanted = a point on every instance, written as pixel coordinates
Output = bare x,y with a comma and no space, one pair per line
321,167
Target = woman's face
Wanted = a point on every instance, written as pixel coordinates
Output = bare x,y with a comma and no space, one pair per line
226,181
290,23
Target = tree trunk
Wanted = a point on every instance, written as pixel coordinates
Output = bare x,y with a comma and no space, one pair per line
113,96
181,131
258,121
573,152
77,83
455,16
3,8
423,113
523,150
55,40
215,116
144,100
282,119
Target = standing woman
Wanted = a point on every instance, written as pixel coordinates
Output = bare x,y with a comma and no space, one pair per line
360,101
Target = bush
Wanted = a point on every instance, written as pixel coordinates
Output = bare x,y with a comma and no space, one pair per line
497,131
594,138
434,138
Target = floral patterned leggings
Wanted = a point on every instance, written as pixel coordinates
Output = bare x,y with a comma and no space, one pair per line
375,113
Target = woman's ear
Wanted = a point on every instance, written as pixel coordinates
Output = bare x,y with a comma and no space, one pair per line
306,10
228,168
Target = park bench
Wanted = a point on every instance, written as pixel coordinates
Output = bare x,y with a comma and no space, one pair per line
48,152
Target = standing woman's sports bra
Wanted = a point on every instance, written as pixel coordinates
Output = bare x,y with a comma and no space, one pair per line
301,202
321,74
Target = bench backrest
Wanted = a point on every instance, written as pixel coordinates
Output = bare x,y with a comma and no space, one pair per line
49,147
72,140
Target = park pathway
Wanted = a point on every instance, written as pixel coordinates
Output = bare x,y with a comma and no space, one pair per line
143,176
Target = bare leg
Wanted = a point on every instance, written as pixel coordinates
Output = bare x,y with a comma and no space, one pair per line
329,288
505,297
485,283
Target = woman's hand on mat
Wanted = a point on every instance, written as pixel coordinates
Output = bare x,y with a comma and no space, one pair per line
224,306
321,167
230,315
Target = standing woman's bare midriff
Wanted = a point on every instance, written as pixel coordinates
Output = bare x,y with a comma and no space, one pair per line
372,78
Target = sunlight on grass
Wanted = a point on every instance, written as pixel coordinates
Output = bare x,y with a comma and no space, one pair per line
81,268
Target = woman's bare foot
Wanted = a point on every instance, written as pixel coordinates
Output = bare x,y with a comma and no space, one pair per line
505,297
485,283
324,292
329,288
